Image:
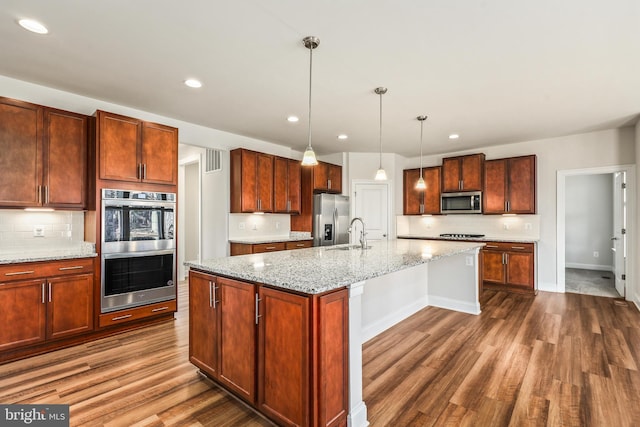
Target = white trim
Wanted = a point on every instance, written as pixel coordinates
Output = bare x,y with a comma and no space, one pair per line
589,266
390,215
195,159
631,221
452,304
394,318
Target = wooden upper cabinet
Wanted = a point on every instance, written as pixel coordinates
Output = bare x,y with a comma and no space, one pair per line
463,173
44,156
251,181
419,202
327,178
510,185
286,185
137,151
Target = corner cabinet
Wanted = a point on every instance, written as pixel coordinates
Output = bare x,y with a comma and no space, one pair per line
508,266
421,202
510,185
45,301
44,157
133,150
463,173
251,181
238,332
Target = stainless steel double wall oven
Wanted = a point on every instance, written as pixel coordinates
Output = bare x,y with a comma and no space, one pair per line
138,248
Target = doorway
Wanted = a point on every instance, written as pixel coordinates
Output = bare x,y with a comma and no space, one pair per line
189,235
593,233
371,203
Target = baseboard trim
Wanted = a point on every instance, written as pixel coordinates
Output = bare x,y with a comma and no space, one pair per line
589,266
391,319
452,304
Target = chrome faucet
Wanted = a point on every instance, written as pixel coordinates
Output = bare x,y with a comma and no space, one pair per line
363,233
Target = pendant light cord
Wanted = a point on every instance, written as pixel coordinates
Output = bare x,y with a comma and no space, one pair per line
380,130
421,126
310,75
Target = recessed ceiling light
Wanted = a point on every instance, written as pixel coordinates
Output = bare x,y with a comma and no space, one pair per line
454,136
292,119
343,136
193,83
33,26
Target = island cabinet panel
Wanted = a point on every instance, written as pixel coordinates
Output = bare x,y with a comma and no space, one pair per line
286,185
419,202
203,323
508,266
257,248
133,150
510,185
284,359
44,156
463,173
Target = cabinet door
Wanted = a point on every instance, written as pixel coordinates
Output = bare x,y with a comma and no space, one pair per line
22,313
493,266
320,176
521,179
159,154
21,156
334,181
294,183
118,148
70,305
413,198
237,337
265,182
495,187
65,159
247,191
472,171
520,269
280,185
283,357
203,322
451,174
432,193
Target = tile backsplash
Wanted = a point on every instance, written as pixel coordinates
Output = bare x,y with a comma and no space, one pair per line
58,229
242,226
498,226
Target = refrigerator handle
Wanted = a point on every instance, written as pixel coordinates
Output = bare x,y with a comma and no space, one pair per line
337,227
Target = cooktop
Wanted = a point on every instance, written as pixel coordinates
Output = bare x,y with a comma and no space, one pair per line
462,235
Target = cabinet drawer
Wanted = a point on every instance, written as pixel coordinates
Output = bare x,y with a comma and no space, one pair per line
32,270
299,245
123,316
268,247
509,247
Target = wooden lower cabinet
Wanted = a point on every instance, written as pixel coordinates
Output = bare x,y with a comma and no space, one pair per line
508,266
284,353
56,303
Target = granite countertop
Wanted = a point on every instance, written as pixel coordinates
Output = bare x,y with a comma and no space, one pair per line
320,269
275,239
81,250
515,239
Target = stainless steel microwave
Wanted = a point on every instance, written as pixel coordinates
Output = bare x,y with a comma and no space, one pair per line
469,202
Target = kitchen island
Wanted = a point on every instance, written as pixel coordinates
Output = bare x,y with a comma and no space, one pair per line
333,299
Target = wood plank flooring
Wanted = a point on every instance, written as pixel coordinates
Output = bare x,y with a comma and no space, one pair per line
553,359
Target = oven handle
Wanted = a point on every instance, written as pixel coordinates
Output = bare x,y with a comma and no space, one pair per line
137,254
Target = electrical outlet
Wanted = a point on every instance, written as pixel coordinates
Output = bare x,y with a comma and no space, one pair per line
527,226
469,260
277,225
505,226
38,231
596,254
254,227
241,226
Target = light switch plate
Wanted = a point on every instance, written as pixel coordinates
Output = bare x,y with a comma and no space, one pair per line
38,231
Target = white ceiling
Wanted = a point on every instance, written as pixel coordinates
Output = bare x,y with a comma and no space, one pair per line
494,71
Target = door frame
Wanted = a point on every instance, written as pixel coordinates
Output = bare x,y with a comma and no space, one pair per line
630,171
391,232
195,159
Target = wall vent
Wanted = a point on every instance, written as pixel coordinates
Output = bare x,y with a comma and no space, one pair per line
214,161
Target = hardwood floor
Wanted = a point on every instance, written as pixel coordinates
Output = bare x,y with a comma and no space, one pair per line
553,359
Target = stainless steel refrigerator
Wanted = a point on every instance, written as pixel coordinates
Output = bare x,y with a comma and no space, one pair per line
330,219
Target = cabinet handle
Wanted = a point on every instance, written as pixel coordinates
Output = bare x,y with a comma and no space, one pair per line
518,247
126,316
75,267
288,205
46,194
300,245
214,296
159,309
270,248
144,171
43,293
508,206
17,273
39,194
490,246
257,308
421,208
210,294
329,184
460,185
49,291
139,171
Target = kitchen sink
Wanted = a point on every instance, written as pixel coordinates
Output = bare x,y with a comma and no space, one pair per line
349,248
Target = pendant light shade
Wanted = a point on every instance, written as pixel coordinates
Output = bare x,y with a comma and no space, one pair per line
381,175
421,185
309,157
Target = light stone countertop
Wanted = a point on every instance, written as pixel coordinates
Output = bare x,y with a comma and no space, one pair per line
81,250
475,239
275,239
321,269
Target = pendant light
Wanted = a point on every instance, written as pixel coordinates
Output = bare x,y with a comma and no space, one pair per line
421,185
309,157
381,175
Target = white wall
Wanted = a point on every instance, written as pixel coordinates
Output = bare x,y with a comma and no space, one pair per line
633,289
589,221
